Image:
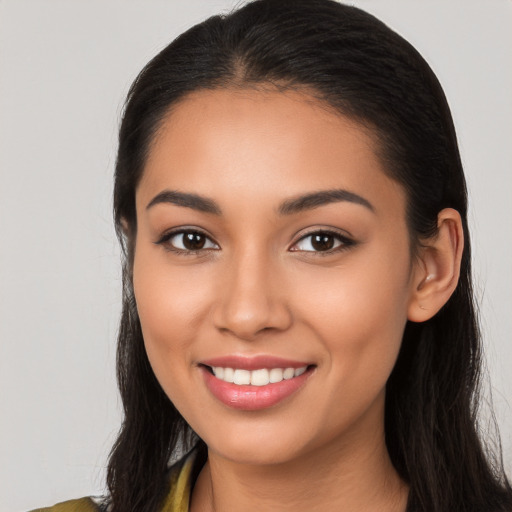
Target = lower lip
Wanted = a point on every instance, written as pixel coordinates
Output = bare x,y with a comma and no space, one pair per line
253,398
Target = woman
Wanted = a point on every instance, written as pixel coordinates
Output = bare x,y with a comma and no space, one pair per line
298,308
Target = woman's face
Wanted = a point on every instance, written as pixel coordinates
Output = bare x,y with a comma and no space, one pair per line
271,249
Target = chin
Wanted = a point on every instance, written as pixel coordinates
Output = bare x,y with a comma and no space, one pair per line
259,444
255,454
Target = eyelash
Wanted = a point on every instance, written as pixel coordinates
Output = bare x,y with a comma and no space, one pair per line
344,242
166,238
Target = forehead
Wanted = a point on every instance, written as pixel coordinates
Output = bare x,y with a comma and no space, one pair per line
266,144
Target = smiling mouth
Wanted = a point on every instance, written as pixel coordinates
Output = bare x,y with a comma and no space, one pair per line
259,377
257,388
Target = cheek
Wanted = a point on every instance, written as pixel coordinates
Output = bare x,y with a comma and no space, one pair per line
171,305
359,312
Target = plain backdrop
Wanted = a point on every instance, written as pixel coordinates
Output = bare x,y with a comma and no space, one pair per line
65,67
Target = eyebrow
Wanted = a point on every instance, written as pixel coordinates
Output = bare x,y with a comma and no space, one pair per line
194,201
288,207
321,198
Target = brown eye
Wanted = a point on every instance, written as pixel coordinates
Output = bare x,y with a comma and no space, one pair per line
323,241
187,241
193,241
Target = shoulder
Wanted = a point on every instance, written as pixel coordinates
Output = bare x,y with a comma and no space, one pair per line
181,478
80,505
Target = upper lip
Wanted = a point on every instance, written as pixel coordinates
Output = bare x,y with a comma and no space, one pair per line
253,362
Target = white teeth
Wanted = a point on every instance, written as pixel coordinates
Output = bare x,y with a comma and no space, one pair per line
299,371
229,375
276,375
260,377
288,373
242,377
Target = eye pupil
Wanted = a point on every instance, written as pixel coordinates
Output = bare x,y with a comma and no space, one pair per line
322,242
193,241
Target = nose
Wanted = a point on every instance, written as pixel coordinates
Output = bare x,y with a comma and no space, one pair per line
251,299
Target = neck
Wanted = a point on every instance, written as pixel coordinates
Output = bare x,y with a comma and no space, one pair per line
345,475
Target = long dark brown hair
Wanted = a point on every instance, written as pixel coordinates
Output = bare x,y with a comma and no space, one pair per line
357,65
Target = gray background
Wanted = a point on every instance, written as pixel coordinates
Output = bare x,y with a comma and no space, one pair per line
65,67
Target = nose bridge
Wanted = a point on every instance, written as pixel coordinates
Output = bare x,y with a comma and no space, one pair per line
250,299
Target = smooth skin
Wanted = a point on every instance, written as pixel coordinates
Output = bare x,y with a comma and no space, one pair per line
259,284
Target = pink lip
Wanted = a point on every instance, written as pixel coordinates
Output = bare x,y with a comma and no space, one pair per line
253,362
252,398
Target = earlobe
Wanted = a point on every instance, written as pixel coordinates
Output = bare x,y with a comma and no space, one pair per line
124,226
437,270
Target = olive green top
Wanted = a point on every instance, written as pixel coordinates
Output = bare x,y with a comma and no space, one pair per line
177,500
81,505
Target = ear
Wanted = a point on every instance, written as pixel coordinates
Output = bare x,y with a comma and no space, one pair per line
125,226
437,269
